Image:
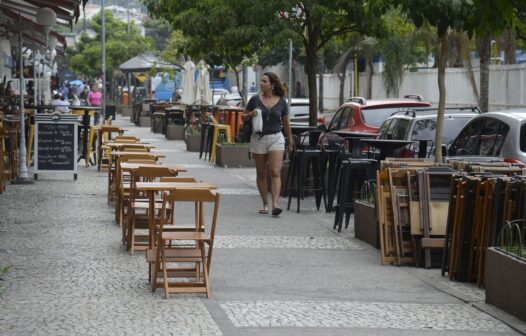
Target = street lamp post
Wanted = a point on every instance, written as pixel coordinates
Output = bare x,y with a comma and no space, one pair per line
22,168
103,33
46,17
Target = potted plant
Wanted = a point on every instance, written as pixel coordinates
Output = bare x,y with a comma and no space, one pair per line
365,218
233,155
192,136
505,270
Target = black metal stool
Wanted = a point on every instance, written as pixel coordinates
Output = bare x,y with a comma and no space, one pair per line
353,173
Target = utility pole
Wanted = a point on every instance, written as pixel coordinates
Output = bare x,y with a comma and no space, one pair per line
103,33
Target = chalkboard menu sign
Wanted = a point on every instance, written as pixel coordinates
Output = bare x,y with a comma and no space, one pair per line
56,143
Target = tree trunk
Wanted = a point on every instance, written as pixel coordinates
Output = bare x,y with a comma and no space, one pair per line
442,59
241,93
321,66
471,78
311,50
484,48
342,75
369,72
509,44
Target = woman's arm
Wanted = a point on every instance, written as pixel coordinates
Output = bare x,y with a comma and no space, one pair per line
250,111
288,132
249,114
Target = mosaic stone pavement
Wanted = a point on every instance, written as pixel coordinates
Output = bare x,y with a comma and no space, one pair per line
285,242
360,315
471,291
70,275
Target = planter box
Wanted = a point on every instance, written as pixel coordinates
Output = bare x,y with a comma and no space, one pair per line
175,132
233,156
145,121
504,281
192,142
366,223
125,110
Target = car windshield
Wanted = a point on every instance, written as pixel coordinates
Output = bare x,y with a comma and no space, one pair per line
424,129
376,116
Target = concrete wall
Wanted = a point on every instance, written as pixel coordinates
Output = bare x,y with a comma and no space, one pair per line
507,86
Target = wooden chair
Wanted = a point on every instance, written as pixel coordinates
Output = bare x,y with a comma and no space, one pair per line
2,168
11,152
178,179
123,138
169,250
138,206
113,171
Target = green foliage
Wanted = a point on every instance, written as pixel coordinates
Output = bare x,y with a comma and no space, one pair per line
3,271
159,30
400,48
174,47
86,59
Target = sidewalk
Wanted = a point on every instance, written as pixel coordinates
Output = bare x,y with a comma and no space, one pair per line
294,275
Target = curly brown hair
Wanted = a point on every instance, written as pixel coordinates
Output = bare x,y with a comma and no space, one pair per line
278,88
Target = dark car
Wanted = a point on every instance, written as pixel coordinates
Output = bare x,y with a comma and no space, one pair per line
419,125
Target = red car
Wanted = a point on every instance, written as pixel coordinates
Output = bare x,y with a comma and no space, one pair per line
366,116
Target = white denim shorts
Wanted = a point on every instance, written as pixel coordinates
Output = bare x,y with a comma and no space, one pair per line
267,143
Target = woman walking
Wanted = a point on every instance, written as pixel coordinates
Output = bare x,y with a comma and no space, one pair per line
268,145
95,99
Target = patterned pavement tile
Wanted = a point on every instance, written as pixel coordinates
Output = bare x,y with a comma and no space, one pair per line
286,242
454,317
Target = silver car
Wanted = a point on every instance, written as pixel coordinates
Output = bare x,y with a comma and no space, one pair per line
419,124
496,134
299,112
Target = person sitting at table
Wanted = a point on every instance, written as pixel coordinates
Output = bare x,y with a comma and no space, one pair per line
60,103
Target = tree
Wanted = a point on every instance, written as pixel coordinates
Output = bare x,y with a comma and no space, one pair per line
402,44
445,16
218,31
472,16
316,22
498,16
85,58
173,51
159,30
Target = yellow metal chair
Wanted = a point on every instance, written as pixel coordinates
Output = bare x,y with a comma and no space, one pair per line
219,128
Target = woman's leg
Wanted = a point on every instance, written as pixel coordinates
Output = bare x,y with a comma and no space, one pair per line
261,179
275,162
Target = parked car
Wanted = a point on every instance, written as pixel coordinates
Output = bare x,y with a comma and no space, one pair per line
419,124
299,112
232,99
361,115
218,93
495,134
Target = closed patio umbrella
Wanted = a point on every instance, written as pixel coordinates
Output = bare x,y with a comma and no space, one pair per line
188,97
203,95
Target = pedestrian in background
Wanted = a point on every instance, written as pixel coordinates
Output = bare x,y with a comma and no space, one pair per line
268,146
95,99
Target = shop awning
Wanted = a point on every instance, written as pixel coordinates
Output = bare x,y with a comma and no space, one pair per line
144,62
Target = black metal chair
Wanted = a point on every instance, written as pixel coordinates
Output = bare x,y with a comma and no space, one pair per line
305,169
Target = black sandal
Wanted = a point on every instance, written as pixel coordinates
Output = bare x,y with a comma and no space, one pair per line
276,212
